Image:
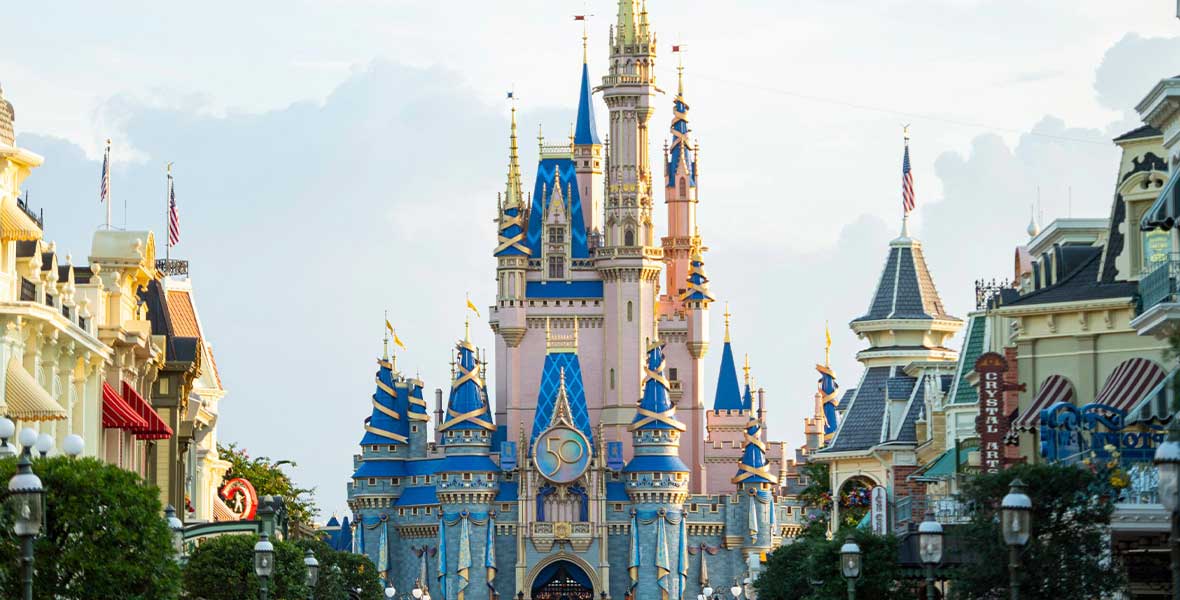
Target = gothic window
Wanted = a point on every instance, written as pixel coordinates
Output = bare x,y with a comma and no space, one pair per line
629,237
630,311
681,187
556,234
672,374
556,267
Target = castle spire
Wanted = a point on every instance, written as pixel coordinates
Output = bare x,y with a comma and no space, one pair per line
754,468
698,284
625,31
467,407
728,395
727,315
511,238
585,131
513,194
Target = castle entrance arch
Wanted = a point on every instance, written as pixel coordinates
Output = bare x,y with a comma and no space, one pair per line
562,580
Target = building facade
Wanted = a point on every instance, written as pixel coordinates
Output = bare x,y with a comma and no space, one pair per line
595,467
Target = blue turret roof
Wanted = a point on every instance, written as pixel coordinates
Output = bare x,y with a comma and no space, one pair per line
747,398
551,172
417,402
585,131
343,538
698,283
753,466
467,408
681,151
655,408
389,423
729,395
575,393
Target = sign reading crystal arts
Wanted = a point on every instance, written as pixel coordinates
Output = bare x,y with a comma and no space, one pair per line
992,423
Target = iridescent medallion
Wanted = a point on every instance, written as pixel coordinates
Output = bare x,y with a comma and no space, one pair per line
561,454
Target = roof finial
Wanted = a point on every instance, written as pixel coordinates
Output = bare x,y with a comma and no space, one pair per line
678,50
727,315
746,369
540,142
1034,228
385,338
827,345
907,185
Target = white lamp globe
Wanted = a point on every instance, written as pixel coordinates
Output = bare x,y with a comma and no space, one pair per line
425,595
736,590
72,445
416,592
44,443
708,591
390,592
28,437
7,428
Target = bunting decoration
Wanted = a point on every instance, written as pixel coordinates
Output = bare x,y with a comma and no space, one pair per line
442,558
489,554
663,568
682,559
383,552
464,567
633,563
752,523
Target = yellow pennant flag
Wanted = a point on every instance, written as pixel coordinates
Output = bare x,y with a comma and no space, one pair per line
396,339
473,308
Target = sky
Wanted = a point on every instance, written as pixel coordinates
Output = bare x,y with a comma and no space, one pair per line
334,160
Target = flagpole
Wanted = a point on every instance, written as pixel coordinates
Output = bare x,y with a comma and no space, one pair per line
108,182
385,340
168,211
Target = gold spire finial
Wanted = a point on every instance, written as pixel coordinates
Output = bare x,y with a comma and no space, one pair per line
385,338
827,345
561,409
905,132
746,369
726,314
540,142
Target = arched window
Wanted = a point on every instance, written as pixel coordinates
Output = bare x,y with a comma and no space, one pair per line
630,311
682,186
629,237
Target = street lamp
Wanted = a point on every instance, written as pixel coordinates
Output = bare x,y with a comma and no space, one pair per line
313,572
850,564
417,591
44,444
73,445
930,549
1167,462
735,589
390,591
25,499
7,430
177,529
264,565
1016,518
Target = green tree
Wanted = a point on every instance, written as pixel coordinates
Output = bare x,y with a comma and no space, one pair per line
222,568
105,536
809,568
817,496
268,478
1065,554
356,572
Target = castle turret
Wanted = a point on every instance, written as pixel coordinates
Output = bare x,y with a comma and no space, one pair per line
588,154
389,423
629,262
756,492
467,480
680,194
418,419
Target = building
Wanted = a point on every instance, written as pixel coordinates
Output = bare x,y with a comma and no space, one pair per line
111,351
595,467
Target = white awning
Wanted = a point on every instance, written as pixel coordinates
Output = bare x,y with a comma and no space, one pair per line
25,399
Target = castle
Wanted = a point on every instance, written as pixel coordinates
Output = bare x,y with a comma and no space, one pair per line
596,469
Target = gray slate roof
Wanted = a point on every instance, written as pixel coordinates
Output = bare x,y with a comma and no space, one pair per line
964,392
906,289
861,425
1079,284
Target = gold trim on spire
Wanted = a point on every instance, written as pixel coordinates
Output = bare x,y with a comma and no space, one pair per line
727,315
746,369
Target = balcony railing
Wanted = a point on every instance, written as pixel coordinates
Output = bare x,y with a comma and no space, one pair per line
37,217
172,266
1144,484
948,510
1159,285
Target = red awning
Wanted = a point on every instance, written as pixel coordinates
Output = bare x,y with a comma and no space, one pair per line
156,428
1054,389
1129,383
117,414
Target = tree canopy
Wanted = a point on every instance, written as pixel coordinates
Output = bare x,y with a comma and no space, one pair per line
809,568
105,536
268,478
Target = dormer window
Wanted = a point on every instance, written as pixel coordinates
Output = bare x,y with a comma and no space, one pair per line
556,267
556,234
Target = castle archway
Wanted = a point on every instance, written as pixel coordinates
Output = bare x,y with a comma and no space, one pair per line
562,578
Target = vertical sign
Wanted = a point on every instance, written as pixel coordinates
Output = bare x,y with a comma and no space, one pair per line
992,423
879,504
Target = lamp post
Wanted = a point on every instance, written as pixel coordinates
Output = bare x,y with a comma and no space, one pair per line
1167,462
25,497
313,572
44,444
177,529
850,564
73,445
930,549
7,430
1016,519
390,591
264,565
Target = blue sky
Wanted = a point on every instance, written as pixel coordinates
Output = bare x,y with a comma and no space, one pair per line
336,159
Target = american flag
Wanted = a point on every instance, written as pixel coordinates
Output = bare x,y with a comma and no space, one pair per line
907,183
104,188
173,216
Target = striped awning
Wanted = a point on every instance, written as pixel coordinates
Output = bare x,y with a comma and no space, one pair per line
1129,383
117,414
1054,389
156,428
1163,212
26,400
15,225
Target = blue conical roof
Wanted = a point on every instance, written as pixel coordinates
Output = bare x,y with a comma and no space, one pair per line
655,408
389,423
753,466
585,131
729,395
417,402
681,150
467,408
747,398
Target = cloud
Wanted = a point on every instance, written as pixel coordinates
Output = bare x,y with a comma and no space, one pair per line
1132,66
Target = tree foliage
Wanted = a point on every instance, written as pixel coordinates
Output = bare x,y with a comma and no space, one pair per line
105,536
222,568
356,572
809,568
268,478
1065,553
